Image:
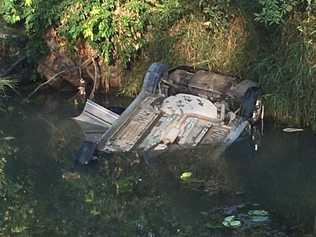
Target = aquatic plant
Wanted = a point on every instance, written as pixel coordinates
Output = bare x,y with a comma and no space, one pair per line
6,82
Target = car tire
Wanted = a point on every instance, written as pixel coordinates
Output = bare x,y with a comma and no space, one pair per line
251,104
153,76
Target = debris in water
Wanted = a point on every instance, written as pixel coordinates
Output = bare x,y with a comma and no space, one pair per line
71,175
289,130
185,176
7,138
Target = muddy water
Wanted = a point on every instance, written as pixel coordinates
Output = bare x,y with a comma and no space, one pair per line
43,193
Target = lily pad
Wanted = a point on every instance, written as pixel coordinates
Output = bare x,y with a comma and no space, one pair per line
231,222
235,223
229,218
259,218
226,223
185,176
258,213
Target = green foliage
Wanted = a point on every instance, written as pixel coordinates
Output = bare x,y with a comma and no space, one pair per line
11,11
287,75
5,82
117,30
273,12
36,15
93,22
223,35
168,12
217,13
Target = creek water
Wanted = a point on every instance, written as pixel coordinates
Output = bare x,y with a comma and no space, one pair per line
44,193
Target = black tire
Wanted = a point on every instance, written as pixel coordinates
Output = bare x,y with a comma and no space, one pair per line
248,102
153,76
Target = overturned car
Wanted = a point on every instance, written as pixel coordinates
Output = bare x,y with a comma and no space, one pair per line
182,107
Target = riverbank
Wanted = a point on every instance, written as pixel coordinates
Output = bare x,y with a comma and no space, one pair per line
271,43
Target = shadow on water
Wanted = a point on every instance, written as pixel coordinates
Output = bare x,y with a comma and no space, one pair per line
44,194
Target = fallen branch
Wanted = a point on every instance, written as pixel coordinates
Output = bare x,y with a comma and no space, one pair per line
55,77
45,83
10,69
96,78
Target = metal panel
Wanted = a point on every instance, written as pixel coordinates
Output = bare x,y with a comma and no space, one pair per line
95,114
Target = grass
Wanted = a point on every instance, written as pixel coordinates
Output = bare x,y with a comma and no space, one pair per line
191,41
208,34
283,63
287,74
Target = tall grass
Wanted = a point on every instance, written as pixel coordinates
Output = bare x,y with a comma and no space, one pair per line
288,76
283,61
192,41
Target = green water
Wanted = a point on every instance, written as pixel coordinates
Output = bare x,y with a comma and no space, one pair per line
43,193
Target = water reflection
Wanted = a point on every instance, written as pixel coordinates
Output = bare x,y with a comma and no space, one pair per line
46,194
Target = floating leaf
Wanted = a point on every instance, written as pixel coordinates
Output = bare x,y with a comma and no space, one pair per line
258,215
235,223
226,223
229,218
185,176
231,221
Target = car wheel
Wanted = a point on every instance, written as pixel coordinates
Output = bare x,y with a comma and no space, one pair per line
153,77
251,104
